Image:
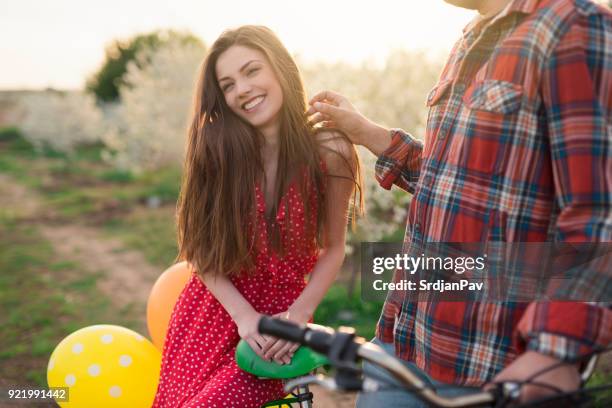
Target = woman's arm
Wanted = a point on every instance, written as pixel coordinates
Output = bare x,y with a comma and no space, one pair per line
341,165
240,310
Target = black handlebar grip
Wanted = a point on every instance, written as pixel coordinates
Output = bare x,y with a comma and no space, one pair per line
282,329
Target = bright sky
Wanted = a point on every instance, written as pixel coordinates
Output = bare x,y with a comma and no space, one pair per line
59,43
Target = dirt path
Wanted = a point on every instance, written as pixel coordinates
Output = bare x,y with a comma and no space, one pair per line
125,275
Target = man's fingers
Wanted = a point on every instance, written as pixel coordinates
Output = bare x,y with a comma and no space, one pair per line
318,117
330,96
331,111
489,386
328,124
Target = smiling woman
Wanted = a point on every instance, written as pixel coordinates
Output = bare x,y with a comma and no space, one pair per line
264,202
251,89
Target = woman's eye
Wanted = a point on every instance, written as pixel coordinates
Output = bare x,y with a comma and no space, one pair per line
226,88
252,71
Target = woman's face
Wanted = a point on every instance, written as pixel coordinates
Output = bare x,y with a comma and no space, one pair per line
250,86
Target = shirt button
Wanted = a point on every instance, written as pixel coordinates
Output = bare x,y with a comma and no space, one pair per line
442,132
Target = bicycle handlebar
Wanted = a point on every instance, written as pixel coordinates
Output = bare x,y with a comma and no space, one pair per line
322,340
283,329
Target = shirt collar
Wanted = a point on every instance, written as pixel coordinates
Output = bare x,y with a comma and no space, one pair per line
516,6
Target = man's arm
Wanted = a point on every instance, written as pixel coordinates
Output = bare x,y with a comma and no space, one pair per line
400,163
577,98
399,154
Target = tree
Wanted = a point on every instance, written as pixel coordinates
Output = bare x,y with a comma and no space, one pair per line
147,129
61,121
105,83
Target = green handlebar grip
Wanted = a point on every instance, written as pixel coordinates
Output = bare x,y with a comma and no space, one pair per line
303,362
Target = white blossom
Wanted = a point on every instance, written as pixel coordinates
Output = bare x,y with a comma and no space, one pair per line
394,96
150,123
60,120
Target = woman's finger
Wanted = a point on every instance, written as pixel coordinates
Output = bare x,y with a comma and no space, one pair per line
269,345
275,348
294,347
261,340
283,352
253,344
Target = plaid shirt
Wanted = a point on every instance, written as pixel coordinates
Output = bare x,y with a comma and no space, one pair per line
518,148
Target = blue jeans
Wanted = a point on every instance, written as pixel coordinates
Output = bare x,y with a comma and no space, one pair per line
401,399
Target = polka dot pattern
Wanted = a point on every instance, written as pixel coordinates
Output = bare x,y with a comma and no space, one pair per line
115,391
107,338
70,380
198,364
125,360
94,370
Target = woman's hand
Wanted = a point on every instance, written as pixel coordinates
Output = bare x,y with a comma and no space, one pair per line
247,329
281,351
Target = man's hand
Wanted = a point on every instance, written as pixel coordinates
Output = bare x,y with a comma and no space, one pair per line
565,377
333,110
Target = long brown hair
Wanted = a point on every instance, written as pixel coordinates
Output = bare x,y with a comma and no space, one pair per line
216,209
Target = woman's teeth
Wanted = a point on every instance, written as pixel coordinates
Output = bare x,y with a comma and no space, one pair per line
250,105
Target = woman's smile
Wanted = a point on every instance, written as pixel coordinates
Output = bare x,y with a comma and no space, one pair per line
253,104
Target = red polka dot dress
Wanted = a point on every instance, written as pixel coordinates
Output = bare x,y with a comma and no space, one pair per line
198,364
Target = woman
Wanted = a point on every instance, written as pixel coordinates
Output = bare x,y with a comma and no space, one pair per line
264,202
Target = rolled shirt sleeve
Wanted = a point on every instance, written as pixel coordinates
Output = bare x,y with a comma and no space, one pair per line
577,98
400,164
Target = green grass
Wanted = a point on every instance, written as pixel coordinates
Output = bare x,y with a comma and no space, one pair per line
117,176
338,309
151,232
44,299
9,134
600,379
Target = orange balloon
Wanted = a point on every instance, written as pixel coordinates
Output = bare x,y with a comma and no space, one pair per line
162,299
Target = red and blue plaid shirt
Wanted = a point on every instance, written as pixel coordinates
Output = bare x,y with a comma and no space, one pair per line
518,148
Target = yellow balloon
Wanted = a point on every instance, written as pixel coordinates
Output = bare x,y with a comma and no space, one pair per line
105,366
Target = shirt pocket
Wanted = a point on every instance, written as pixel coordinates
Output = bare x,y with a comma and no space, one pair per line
494,96
486,123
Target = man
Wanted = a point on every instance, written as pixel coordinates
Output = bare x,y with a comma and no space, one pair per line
518,148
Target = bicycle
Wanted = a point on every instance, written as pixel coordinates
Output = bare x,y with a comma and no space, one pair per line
343,350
